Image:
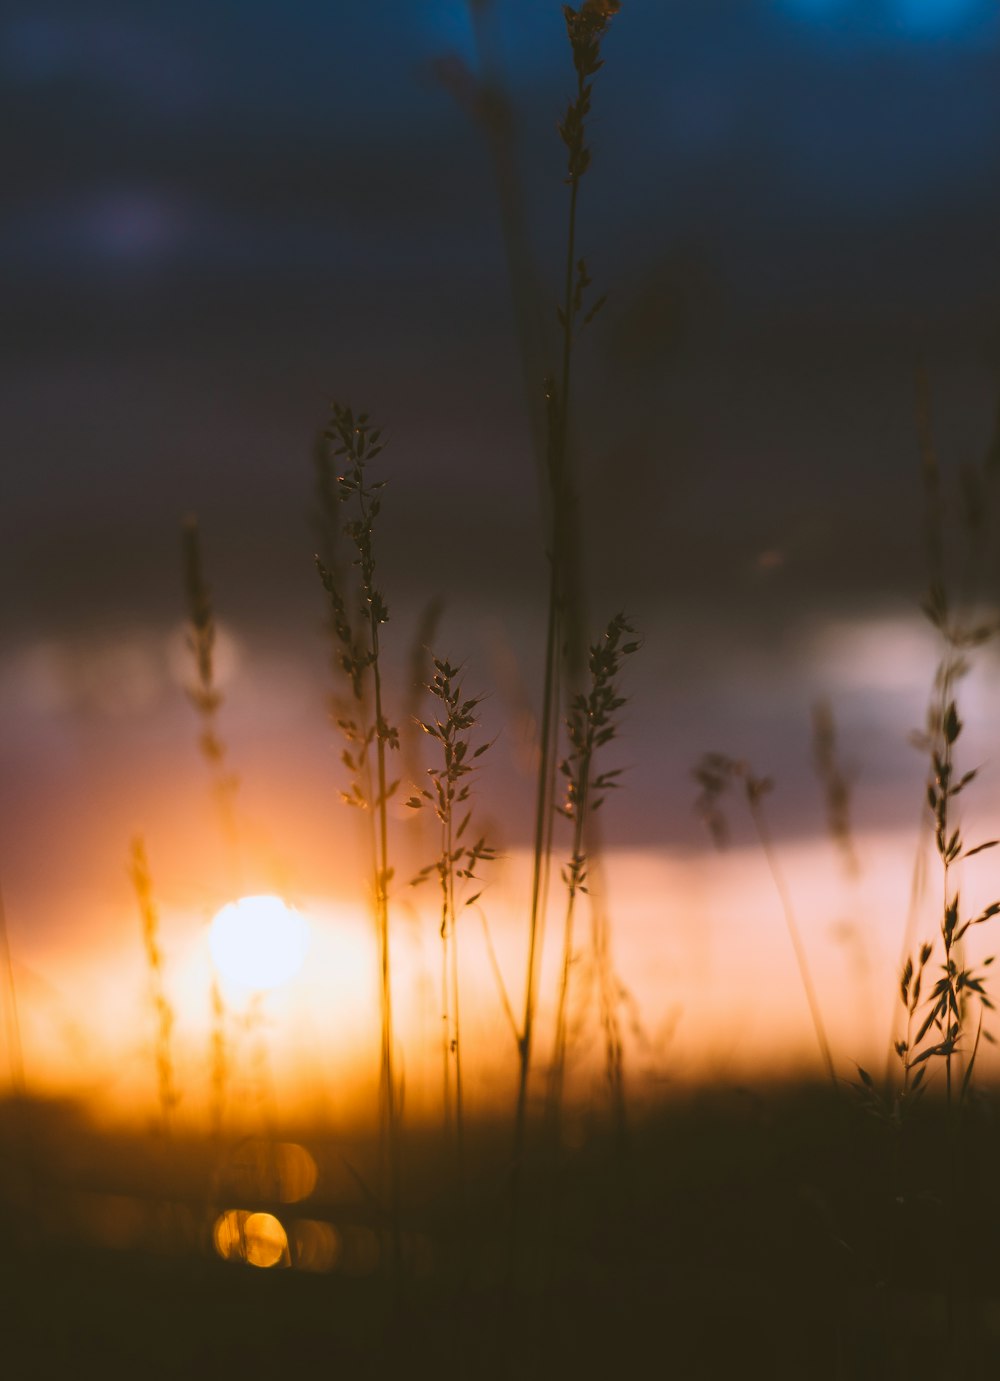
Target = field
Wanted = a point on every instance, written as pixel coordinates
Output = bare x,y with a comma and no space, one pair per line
514,899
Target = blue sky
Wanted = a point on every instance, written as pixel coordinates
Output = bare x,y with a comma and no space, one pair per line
936,20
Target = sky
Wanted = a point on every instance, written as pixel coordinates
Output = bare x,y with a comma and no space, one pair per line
214,224
218,220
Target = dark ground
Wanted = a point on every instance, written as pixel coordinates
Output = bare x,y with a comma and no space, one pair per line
775,1232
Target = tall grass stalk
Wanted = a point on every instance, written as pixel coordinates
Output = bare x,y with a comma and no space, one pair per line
611,994
163,1012
206,697
585,29
412,739
960,629
715,774
933,538
369,738
944,1032
943,1019
590,726
448,796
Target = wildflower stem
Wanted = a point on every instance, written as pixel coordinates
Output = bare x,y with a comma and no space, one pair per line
560,500
784,896
162,1011
590,724
455,867
206,698
359,658
382,925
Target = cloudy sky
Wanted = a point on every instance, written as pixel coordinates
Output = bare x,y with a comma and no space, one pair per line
216,220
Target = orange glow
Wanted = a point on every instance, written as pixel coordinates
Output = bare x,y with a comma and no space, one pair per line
699,943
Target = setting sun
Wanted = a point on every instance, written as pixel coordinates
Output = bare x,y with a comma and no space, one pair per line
258,942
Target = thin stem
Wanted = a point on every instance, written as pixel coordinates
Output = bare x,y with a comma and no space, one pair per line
15,1050
952,1020
449,931
585,30
543,806
207,699
162,1011
445,1024
456,1029
918,881
609,994
497,973
360,444
558,1071
545,788
382,921
764,836
568,312
590,723
455,866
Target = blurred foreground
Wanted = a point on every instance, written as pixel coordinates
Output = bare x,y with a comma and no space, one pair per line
773,1231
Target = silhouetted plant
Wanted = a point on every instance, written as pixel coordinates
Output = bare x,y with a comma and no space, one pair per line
943,1033
585,29
945,1021
590,725
961,629
942,1016
205,694
457,862
163,1012
206,697
368,734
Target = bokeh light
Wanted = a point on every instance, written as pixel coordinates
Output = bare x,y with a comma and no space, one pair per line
256,1238
276,1171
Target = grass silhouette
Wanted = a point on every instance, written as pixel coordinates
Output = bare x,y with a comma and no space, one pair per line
369,737
781,1230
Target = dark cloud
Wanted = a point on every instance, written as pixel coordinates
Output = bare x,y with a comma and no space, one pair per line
217,220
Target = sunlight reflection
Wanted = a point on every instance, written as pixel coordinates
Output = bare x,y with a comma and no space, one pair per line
256,1238
281,1171
314,1246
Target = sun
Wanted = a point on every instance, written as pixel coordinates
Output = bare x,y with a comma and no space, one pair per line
258,942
